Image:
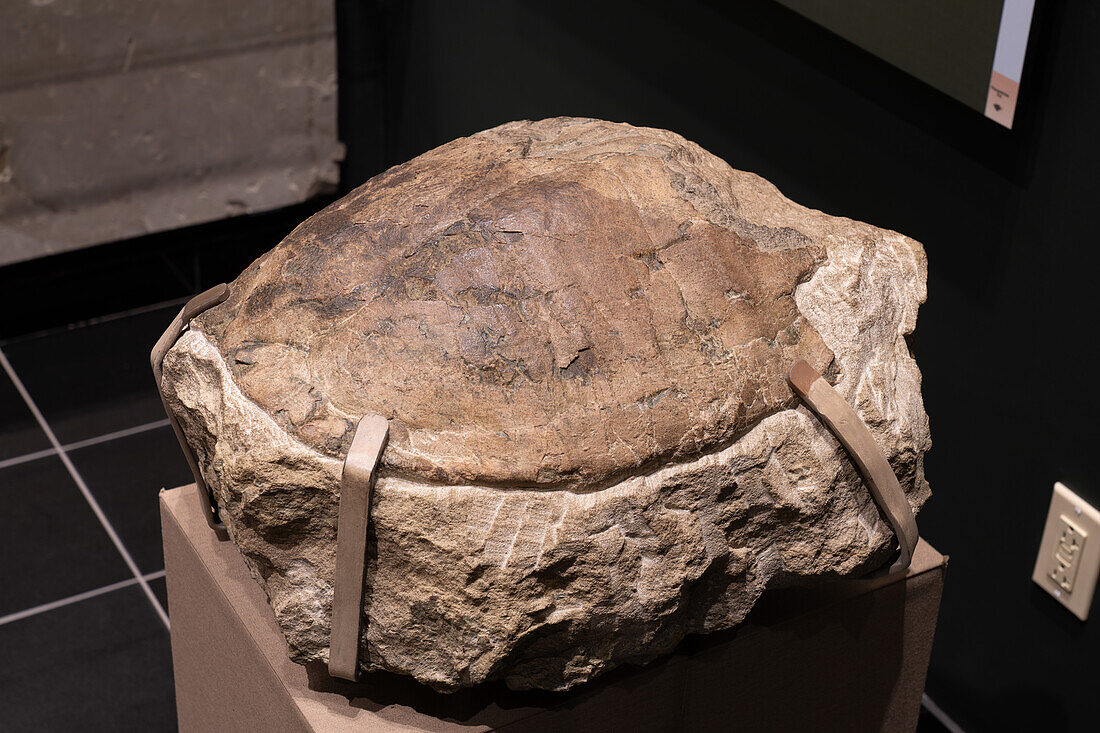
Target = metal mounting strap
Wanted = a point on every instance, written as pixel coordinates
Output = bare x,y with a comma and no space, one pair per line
854,435
356,485
194,307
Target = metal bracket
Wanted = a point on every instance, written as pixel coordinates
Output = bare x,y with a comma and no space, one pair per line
854,435
356,486
194,307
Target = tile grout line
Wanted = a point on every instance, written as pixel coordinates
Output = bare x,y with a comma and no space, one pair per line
27,457
96,320
60,603
77,445
177,273
83,487
34,611
937,712
124,433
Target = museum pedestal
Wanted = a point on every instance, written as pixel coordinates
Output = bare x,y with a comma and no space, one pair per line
845,656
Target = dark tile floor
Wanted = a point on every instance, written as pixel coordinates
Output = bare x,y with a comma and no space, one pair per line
83,622
83,614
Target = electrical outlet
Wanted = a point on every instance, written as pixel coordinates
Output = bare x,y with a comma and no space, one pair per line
1067,553
1068,561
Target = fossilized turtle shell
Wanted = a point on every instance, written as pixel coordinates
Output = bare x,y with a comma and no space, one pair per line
553,304
579,331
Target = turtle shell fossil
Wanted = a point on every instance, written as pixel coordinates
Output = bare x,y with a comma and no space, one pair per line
579,332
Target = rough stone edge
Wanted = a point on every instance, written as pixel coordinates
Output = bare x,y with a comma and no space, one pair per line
845,259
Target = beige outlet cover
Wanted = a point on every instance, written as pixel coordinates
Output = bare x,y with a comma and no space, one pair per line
1066,503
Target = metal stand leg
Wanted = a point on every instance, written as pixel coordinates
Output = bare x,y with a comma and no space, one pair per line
854,435
195,306
356,485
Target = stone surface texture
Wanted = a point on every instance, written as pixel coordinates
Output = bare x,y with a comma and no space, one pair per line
579,331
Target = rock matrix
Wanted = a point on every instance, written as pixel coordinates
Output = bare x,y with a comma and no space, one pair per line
579,332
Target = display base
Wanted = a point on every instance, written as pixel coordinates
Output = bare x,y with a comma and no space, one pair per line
845,656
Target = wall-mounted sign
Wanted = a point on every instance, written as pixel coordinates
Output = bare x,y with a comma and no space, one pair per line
972,50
